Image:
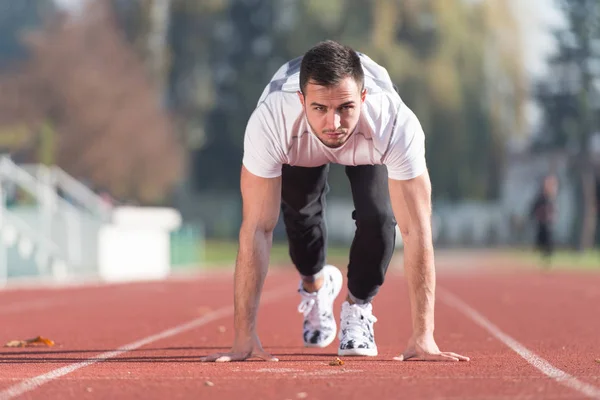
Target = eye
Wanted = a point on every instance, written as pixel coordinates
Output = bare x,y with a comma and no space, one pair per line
347,107
319,108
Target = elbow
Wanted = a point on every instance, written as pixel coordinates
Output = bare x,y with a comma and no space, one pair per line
254,229
419,235
267,230
404,232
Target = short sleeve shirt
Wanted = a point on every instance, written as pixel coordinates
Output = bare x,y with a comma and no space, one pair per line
388,132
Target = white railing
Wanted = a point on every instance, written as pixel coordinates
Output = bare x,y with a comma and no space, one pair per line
16,232
83,196
54,227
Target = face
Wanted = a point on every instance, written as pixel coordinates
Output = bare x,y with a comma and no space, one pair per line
333,112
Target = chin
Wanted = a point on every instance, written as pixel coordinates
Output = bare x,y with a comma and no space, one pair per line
335,143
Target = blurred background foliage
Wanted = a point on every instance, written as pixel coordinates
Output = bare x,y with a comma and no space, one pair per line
142,97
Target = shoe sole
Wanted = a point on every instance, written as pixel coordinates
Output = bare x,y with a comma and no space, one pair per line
337,291
358,352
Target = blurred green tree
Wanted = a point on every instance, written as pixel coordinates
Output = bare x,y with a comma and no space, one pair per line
110,127
457,64
178,42
18,120
447,58
16,19
570,98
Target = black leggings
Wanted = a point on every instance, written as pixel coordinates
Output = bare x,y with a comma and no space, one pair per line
303,208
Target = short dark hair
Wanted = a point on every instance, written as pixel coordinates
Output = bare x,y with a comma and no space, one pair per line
328,62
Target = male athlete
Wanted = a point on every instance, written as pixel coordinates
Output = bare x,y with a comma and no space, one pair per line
335,105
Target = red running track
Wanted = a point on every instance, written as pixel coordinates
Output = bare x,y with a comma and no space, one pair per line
530,335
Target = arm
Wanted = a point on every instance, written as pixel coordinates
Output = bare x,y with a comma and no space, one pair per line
260,200
411,202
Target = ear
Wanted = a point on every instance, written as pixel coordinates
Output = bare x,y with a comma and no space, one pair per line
363,95
301,97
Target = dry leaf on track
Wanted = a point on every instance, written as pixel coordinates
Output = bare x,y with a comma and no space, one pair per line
336,362
36,341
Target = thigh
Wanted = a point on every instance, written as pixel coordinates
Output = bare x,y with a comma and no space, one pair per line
303,186
370,192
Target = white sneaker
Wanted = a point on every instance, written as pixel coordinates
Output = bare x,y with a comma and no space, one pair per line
357,337
319,323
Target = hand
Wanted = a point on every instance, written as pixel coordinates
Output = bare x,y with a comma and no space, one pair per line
242,350
424,348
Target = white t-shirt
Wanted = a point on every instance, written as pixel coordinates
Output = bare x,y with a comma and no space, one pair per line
388,132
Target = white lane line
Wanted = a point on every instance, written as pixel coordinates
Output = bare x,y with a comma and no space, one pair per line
538,362
33,383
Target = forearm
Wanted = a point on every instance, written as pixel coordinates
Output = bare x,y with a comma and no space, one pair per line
420,273
250,272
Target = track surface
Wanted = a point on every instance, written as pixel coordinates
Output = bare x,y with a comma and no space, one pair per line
530,335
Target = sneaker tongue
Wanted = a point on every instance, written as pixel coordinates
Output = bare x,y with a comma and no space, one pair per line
356,311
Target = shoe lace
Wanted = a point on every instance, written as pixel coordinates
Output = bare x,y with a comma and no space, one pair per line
356,321
309,306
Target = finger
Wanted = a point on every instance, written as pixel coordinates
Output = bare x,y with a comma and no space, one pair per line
263,355
233,357
439,357
426,357
224,357
407,355
461,358
211,358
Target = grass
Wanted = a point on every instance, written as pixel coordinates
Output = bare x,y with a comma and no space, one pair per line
562,259
222,254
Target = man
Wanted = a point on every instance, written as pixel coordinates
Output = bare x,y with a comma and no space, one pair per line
543,210
334,105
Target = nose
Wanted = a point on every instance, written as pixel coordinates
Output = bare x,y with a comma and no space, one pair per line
333,120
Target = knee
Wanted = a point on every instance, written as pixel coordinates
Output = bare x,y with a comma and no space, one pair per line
379,219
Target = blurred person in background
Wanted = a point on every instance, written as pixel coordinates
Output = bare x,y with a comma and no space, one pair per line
335,105
543,212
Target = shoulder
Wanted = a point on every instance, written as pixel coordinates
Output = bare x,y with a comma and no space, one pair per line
383,102
285,80
276,119
377,78
280,110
